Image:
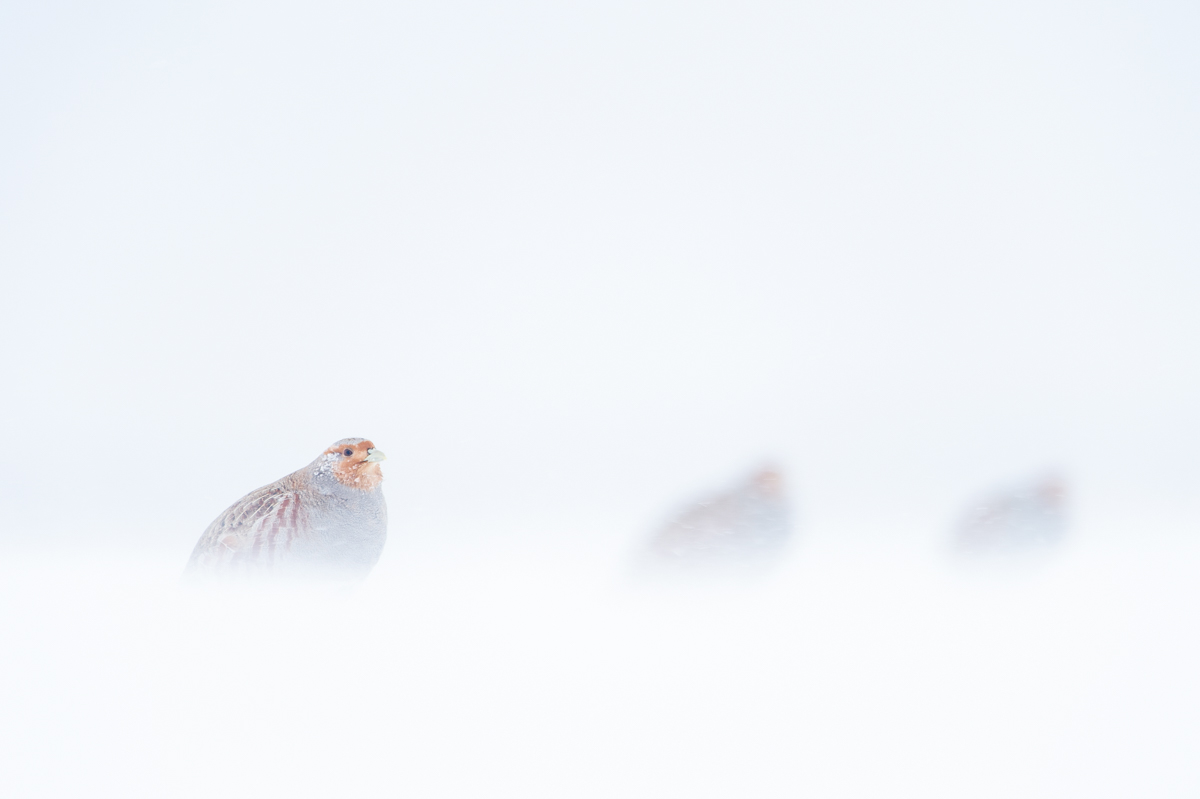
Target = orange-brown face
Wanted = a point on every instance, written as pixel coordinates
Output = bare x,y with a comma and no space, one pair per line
357,465
769,481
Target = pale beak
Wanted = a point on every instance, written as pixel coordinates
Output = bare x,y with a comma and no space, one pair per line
375,455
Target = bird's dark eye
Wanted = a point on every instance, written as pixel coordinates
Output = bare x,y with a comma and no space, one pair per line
348,452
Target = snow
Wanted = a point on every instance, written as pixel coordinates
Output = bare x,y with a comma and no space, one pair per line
840,675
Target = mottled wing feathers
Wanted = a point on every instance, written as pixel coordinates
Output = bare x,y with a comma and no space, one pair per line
254,533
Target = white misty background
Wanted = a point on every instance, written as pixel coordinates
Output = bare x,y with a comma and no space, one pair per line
572,265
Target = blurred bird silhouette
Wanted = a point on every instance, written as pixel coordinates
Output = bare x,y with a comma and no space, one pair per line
328,519
748,523
1021,517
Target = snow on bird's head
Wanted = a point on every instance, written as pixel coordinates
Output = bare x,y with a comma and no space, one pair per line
356,463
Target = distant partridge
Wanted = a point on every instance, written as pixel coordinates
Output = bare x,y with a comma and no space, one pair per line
750,521
328,519
1021,517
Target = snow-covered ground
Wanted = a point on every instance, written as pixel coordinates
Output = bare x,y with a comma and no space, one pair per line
1067,675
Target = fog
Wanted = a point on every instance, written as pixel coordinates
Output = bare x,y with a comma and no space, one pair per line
575,267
